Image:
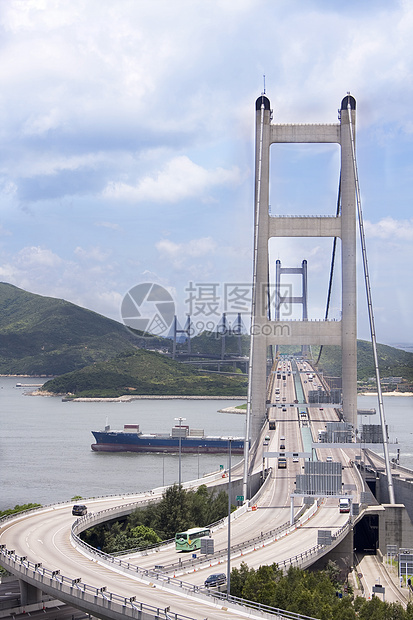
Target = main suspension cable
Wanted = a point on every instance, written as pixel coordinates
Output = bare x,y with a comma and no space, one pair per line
371,315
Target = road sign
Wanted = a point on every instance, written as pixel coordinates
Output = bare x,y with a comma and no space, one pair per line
240,498
324,537
207,545
276,455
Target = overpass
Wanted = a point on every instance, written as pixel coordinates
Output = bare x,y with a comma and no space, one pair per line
43,549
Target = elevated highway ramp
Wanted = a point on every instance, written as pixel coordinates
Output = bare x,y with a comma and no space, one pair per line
41,541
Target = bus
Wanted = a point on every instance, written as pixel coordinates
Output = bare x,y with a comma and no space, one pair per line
191,539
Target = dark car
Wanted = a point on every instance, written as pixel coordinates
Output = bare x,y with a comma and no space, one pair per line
217,579
79,510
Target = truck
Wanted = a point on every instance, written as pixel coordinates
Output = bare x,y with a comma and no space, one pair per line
282,462
344,504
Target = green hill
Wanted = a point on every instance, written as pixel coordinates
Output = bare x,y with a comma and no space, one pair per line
144,372
392,362
47,336
210,343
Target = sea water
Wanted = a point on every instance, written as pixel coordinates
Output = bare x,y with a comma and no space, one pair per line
45,453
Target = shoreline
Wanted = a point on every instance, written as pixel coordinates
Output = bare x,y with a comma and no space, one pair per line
130,397
385,394
45,377
233,410
127,398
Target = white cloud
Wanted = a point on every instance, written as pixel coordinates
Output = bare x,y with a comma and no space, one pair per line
93,254
36,256
39,125
180,179
7,187
48,164
154,102
181,251
390,229
183,256
110,225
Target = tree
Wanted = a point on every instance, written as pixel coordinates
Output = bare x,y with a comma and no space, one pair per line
145,536
238,579
177,511
310,593
173,514
260,585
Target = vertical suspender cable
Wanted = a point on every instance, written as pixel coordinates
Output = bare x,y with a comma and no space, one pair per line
371,317
253,305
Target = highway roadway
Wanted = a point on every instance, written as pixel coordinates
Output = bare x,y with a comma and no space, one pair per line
372,573
44,536
273,508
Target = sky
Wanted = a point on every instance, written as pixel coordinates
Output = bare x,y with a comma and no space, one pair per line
127,147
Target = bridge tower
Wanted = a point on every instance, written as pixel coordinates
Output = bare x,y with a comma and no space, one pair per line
186,330
291,299
266,332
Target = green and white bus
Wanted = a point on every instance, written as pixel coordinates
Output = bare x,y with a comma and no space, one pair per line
191,539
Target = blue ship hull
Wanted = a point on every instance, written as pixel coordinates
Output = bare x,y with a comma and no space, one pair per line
121,441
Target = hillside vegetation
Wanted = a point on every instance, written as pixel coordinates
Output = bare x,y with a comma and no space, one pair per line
392,362
210,343
47,336
144,372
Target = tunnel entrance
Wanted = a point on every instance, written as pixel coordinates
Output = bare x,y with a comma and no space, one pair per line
371,483
366,534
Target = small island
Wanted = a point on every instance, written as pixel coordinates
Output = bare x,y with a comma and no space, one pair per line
144,373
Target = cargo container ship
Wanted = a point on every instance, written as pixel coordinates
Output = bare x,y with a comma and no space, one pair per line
131,439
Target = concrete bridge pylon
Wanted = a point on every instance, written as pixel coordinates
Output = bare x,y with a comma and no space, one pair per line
265,332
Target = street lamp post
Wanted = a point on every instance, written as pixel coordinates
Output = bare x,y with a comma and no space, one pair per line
180,420
229,520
